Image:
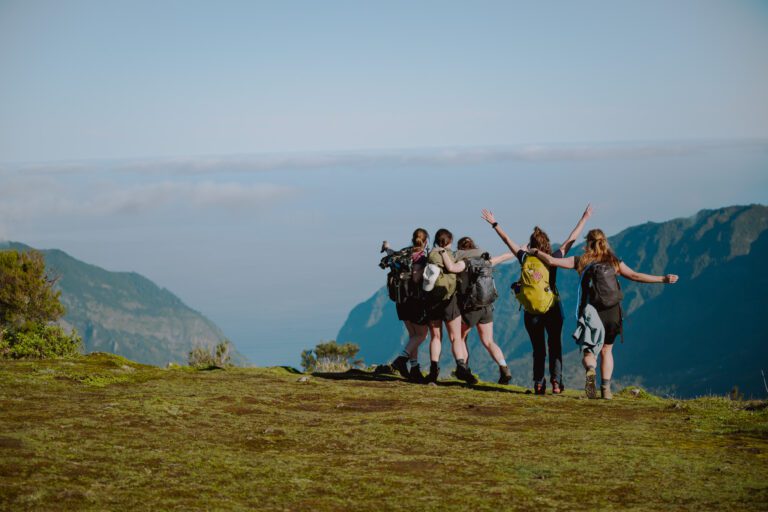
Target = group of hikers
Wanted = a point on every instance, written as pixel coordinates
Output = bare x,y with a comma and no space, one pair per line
456,288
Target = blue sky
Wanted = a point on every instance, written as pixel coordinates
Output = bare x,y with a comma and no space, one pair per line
200,142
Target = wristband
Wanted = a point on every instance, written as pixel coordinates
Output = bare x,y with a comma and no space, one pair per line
494,225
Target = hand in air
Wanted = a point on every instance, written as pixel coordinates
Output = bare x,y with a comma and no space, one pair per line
488,216
670,278
587,212
384,246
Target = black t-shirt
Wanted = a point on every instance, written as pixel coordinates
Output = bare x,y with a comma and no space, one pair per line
521,254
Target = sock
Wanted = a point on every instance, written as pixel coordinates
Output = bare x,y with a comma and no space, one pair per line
590,368
605,384
503,362
414,363
405,354
461,362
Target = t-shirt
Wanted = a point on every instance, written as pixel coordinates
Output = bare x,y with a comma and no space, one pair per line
521,254
445,286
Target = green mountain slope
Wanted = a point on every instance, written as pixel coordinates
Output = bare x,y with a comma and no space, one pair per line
126,313
704,250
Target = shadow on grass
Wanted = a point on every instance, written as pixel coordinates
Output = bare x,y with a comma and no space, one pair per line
366,376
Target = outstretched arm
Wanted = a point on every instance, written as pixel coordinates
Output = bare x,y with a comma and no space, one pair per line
450,265
488,216
501,258
569,262
627,272
576,231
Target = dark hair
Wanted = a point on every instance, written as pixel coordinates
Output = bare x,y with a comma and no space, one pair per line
443,238
466,243
419,238
539,240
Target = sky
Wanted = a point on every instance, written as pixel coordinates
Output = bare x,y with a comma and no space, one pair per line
251,156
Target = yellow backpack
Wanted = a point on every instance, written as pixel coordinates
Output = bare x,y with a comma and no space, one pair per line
532,291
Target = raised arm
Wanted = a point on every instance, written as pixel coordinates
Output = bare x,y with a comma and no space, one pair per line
569,262
630,274
501,258
450,265
576,231
490,219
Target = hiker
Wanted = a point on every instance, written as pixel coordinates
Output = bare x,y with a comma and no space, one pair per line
600,292
442,307
476,294
409,299
537,293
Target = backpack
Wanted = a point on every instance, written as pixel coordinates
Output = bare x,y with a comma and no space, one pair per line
532,291
481,289
600,286
400,284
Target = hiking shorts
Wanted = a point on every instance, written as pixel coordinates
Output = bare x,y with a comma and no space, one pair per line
611,319
483,315
443,311
412,310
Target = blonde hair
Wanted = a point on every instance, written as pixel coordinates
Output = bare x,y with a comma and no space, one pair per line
597,250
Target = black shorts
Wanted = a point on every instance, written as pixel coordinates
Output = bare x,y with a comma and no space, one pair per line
483,315
443,311
611,319
412,310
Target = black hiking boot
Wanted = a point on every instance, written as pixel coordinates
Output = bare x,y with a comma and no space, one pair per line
465,374
416,376
401,365
504,375
434,373
540,388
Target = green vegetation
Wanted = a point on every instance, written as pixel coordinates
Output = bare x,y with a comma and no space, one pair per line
100,432
330,356
215,357
28,305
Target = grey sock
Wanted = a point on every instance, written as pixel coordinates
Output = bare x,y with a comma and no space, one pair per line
414,363
605,384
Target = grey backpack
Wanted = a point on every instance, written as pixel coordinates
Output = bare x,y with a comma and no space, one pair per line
481,289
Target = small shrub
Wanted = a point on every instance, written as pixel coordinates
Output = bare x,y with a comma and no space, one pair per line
331,357
218,356
39,341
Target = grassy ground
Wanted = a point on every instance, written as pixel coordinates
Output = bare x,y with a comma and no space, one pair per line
102,433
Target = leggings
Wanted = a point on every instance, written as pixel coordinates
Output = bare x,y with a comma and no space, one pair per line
536,325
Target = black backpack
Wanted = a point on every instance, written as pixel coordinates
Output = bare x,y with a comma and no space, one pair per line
481,289
600,286
400,284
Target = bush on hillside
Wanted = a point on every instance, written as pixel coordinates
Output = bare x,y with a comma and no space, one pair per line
330,356
29,305
39,342
211,357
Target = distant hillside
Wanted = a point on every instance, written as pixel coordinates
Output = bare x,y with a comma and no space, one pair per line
702,335
126,313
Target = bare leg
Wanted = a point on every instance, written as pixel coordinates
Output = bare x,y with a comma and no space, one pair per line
606,363
486,338
589,360
458,346
416,336
436,340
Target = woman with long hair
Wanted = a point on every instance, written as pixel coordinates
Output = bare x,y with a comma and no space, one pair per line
412,311
442,307
599,268
479,317
544,327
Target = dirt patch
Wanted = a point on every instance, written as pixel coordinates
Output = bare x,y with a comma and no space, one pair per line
484,410
412,467
241,411
11,443
369,405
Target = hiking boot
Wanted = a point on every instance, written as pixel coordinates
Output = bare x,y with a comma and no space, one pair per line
465,374
416,376
589,385
605,393
540,388
556,388
401,365
504,375
434,373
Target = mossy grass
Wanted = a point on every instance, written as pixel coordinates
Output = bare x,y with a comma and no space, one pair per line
103,433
